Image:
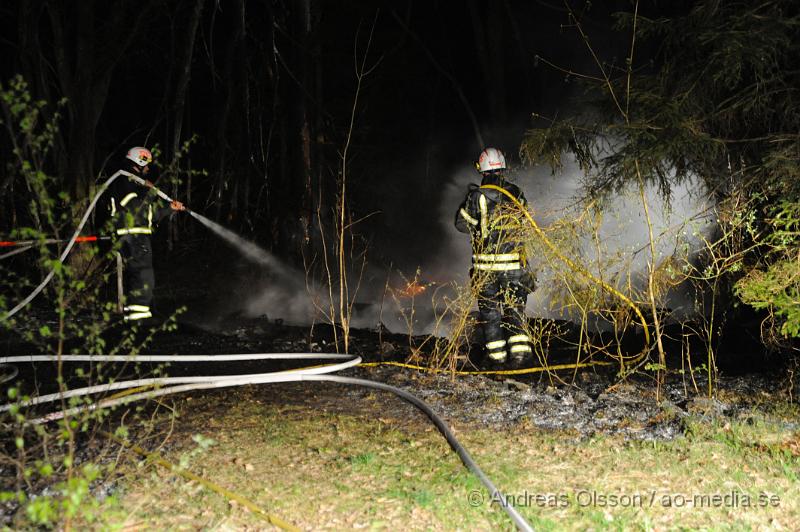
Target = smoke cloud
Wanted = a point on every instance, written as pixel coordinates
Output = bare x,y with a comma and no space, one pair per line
677,227
288,295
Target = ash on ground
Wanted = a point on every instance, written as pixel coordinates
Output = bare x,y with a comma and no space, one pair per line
585,403
591,406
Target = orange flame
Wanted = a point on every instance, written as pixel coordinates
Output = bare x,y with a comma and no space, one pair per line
413,288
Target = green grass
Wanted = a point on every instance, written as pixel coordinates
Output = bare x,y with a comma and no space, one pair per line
348,470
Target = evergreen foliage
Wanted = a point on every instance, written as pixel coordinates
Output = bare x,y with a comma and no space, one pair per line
718,100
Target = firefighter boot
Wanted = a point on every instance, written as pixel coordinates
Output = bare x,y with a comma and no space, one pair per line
519,342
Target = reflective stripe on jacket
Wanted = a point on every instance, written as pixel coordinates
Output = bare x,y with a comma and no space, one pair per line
493,223
133,208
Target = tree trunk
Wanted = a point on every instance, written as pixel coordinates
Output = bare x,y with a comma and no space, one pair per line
303,161
187,54
290,201
179,102
245,150
234,53
83,74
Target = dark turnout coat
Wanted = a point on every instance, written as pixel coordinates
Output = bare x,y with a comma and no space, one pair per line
134,208
493,222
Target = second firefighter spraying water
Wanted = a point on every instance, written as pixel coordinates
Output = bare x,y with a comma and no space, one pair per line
499,268
134,211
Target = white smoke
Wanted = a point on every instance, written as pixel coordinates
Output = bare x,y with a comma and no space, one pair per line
288,295
284,296
248,249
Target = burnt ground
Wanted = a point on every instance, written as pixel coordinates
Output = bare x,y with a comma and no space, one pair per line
585,403
575,407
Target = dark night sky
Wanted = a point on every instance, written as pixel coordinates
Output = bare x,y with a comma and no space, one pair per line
405,96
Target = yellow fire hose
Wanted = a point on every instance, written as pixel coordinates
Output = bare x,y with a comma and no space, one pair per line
576,267
228,494
522,371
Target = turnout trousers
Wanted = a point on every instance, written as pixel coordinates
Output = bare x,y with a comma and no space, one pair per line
137,255
501,310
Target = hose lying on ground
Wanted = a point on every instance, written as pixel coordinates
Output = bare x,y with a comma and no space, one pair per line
161,381
315,373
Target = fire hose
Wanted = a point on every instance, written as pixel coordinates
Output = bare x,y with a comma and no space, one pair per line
182,384
30,243
25,245
75,237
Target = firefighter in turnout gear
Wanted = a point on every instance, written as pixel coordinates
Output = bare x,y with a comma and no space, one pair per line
134,211
499,269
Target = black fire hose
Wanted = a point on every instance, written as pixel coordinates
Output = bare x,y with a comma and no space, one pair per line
311,373
459,449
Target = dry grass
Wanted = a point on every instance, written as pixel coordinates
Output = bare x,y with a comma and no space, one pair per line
346,470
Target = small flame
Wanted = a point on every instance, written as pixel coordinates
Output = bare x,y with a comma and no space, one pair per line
412,289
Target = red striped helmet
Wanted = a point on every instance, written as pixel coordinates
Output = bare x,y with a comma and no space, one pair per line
140,156
491,159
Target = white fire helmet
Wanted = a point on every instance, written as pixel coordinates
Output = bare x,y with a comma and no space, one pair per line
140,156
491,159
